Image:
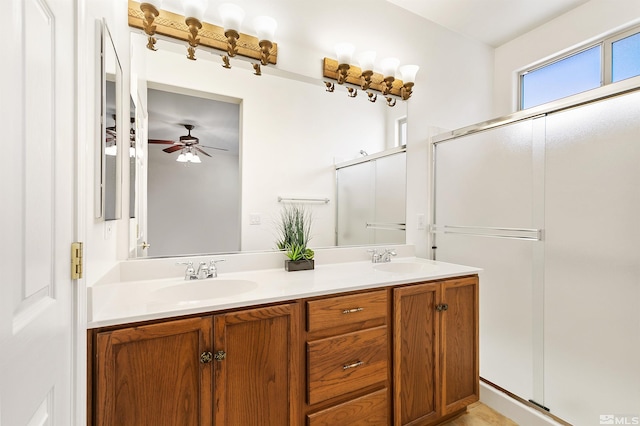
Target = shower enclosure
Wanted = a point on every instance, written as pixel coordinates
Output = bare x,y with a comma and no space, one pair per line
371,194
548,203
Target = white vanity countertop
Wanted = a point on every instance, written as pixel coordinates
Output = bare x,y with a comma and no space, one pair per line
133,301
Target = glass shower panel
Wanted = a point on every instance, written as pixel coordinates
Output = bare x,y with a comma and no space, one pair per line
390,199
484,216
355,195
592,261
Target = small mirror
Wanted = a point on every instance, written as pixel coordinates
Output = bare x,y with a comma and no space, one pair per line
108,180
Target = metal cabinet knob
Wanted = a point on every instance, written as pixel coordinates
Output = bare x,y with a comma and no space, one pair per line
220,355
206,357
442,307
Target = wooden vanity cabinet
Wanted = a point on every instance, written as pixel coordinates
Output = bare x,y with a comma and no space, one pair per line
404,355
348,360
238,368
257,381
152,374
435,344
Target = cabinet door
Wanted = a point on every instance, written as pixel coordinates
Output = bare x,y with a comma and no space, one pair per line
460,381
415,349
152,375
257,381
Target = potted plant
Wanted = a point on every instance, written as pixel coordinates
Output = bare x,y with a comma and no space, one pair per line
295,233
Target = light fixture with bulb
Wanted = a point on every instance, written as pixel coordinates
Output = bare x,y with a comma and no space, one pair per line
365,78
191,28
188,155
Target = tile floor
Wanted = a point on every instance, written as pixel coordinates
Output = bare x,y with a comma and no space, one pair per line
479,414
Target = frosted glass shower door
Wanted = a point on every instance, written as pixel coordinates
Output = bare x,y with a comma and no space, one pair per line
487,214
355,201
592,261
390,199
372,201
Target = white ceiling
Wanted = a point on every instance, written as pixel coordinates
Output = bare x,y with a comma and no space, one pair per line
493,22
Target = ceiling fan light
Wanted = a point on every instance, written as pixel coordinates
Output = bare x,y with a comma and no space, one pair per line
182,158
111,150
196,159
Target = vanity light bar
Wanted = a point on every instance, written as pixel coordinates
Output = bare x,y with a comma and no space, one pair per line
330,70
173,25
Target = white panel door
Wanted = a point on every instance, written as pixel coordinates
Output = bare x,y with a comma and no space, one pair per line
37,175
592,262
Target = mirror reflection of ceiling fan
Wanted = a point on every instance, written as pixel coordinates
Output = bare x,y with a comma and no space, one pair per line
111,147
188,145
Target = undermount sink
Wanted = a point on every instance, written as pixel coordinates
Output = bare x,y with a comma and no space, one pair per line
196,291
403,267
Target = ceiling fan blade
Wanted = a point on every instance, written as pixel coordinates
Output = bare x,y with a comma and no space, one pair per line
173,148
161,141
203,152
213,147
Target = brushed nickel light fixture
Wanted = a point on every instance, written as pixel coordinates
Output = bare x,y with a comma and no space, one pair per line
192,29
365,78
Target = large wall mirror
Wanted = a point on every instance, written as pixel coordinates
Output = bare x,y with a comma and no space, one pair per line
109,151
268,140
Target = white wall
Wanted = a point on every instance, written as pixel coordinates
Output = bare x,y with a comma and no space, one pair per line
101,251
590,21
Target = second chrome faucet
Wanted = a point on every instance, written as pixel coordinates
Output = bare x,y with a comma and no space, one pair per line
382,256
204,270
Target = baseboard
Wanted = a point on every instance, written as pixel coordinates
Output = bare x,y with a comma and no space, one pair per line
514,409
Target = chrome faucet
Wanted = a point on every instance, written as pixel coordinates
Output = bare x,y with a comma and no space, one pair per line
204,271
213,270
386,256
190,272
383,256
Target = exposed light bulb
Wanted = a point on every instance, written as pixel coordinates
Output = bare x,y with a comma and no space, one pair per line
182,158
344,51
265,27
408,73
389,66
232,16
111,150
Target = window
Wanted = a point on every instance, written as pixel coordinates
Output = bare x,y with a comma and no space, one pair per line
611,60
401,131
625,58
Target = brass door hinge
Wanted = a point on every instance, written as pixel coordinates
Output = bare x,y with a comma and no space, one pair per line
76,260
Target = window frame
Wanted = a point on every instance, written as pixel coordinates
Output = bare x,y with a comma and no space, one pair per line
606,65
401,132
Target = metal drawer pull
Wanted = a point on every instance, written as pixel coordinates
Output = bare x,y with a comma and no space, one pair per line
352,311
354,365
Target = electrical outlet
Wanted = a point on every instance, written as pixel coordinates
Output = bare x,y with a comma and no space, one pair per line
421,222
254,219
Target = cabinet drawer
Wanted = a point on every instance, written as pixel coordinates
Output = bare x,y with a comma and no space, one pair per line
345,363
368,410
344,310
